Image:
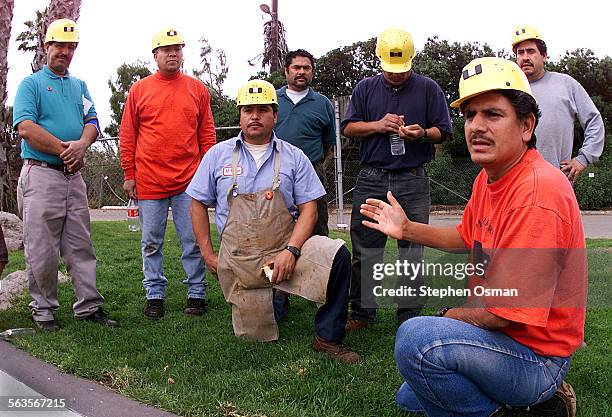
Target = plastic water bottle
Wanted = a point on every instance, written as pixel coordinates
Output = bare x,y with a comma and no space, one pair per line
24,331
397,144
133,217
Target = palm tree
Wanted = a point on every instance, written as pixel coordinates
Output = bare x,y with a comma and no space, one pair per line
58,9
275,46
6,17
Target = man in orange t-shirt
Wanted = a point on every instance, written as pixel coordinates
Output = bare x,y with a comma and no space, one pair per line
166,129
510,345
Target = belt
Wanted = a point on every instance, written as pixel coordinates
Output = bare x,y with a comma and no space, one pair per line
61,168
413,171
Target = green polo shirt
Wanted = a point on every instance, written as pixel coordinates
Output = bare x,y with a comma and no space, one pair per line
58,104
310,124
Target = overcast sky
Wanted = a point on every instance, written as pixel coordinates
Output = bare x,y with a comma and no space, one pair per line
120,31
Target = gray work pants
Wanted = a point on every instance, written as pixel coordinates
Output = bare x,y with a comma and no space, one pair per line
55,216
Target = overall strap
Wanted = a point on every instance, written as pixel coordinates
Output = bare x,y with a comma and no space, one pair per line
277,165
234,187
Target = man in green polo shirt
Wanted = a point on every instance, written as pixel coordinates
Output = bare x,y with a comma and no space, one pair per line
57,122
306,120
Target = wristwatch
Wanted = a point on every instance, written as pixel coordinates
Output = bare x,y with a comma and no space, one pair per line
423,138
294,251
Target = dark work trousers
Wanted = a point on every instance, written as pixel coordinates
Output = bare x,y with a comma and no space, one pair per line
321,227
411,189
331,317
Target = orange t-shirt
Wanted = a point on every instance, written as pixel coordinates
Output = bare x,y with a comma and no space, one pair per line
167,127
527,228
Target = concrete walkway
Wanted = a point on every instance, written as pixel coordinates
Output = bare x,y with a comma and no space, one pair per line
23,377
596,224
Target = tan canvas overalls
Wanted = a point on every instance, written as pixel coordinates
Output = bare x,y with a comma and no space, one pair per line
258,227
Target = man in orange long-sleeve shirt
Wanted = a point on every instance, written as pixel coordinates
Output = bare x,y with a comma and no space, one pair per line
167,127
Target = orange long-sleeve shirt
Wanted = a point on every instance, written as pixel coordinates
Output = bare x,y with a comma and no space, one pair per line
167,127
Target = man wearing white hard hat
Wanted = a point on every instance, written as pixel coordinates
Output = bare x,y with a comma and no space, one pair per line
397,116
166,129
56,120
510,344
562,101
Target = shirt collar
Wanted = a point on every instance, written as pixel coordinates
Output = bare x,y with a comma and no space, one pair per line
170,77
275,140
47,71
283,92
390,87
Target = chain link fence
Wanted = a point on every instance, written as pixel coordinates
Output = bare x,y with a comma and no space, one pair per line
450,178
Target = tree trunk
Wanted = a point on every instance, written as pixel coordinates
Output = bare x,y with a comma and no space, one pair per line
6,17
58,9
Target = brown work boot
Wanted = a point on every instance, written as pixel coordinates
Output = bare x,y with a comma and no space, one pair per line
335,350
562,404
354,324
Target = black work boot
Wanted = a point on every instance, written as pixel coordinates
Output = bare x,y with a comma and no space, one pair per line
47,326
154,309
100,317
195,307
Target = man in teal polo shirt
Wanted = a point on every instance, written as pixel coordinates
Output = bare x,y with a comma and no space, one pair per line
56,119
306,120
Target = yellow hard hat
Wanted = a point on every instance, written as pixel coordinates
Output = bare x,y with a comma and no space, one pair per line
395,49
523,32
256,92
489,74
166,37
62,30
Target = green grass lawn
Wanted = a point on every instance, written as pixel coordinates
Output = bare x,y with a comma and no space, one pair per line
196,367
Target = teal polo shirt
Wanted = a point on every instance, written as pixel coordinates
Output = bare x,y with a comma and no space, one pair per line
60,105
309,125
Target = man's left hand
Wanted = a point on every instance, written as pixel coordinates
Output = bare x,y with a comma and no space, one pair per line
572,169
74,155
284,263
390,218
411,132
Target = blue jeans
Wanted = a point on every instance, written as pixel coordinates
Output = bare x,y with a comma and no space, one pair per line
154,217
452,368
411,189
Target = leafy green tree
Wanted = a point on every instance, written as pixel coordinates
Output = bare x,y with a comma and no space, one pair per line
338,71
277,78
127,75
213,73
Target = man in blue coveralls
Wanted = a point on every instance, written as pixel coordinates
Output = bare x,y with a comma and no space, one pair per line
264,192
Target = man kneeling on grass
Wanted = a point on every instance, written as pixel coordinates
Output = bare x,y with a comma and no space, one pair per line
265,193
523,224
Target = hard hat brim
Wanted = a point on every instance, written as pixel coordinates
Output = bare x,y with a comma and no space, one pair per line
457,103
170,44
396,68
